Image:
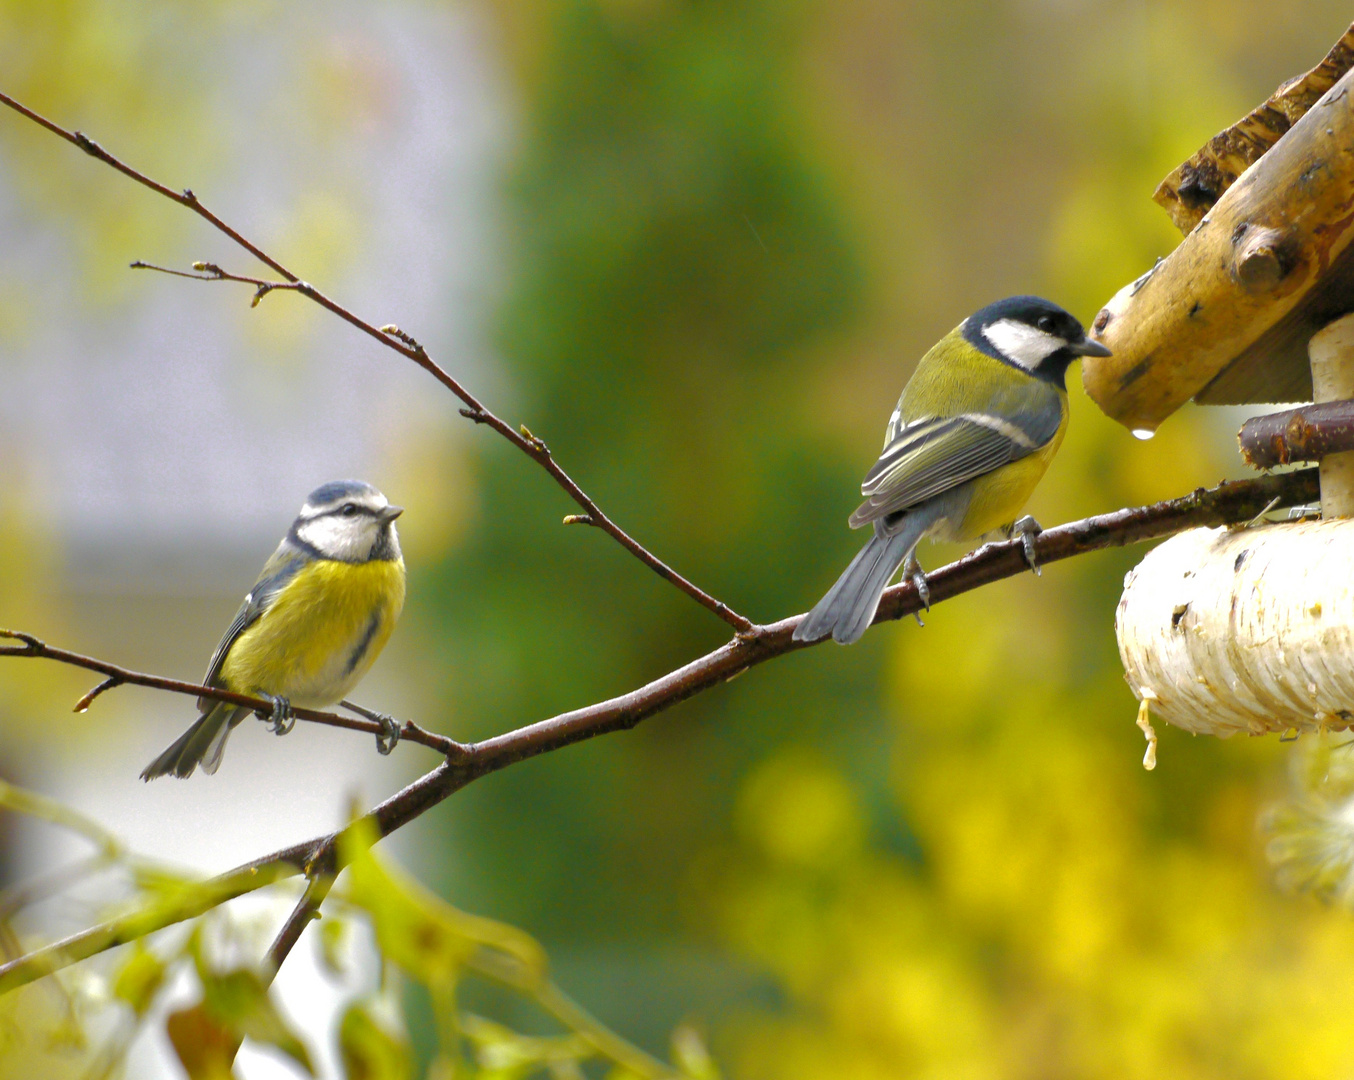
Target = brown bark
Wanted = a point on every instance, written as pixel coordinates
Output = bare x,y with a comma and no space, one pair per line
1195,186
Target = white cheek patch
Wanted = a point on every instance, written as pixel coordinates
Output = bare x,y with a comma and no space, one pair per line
1022,344
348,539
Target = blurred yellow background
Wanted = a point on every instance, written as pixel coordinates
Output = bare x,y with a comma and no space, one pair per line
696,247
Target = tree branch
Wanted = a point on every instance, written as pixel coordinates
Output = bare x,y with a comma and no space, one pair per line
307,910
393,338
33,647
1227,504
137,924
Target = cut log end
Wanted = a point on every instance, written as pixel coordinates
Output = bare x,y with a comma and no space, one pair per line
1263,257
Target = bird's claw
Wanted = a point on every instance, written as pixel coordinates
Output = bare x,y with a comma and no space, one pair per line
914,573
280,720
391,728
389,734
1027,529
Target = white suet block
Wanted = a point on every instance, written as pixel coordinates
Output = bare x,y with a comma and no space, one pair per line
1226,630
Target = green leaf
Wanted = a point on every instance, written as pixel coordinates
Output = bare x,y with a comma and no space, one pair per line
239,1001
67,1034
331,934
431,940
368,1050
691,1056
139,979
205,1047
504,1054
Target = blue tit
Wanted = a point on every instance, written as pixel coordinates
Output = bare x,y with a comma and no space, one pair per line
316,619
974,430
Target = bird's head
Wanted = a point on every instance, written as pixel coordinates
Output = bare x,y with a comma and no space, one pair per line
1032,334
349,521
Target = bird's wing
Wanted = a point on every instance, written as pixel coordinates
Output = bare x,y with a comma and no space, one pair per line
933,454
279,570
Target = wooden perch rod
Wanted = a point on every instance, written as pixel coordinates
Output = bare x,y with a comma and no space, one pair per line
1305,434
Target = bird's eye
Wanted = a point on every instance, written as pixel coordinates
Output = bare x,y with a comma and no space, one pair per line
349,509
1046,323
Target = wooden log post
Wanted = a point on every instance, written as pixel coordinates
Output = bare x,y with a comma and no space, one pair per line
1228,315
1249,629
1331,352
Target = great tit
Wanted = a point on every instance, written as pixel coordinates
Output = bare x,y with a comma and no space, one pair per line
319,614
974,430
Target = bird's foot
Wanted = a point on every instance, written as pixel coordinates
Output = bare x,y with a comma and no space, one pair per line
1027,529
389,734
914,573
280,720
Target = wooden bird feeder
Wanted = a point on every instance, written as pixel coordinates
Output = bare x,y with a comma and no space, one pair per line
1226,630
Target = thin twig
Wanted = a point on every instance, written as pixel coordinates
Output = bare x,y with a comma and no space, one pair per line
394,338
1227,504
205,271
23,801
602,1041
33,647
183,198
307,909
137,924
34,890
85,702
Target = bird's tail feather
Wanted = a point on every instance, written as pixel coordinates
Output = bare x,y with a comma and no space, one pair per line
202,744
850,605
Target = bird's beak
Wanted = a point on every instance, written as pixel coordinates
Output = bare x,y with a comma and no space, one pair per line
1087,347
389,514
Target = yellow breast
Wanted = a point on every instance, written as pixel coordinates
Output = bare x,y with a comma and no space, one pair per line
999,496
321,633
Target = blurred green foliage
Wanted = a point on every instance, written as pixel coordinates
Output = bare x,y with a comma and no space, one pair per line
83,1021
731,230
